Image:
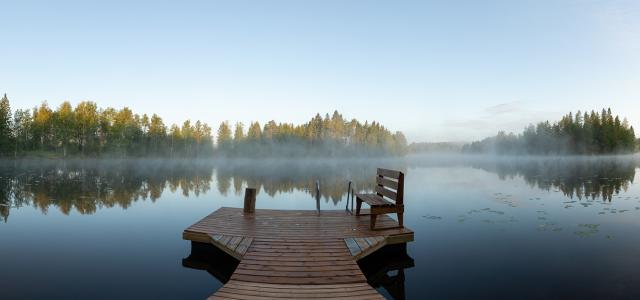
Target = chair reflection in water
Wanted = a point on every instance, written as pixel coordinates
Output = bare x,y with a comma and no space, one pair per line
384,268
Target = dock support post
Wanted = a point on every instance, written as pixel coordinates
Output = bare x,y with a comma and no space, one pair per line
249,200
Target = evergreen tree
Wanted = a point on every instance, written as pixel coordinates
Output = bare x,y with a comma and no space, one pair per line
176,140
238,134
254,133
157,133
6,134
585,133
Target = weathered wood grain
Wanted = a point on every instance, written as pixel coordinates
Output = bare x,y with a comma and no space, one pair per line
295,254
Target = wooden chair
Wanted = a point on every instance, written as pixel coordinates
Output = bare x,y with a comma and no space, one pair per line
388,197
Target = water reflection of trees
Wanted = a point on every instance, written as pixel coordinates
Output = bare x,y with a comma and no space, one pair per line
582,178
86,186
287,177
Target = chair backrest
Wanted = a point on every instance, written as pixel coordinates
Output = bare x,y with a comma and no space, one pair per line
390,185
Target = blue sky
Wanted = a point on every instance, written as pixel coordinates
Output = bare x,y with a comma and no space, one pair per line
437,70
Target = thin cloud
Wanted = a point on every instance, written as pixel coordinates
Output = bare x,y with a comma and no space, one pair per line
467,124
509,117
505,108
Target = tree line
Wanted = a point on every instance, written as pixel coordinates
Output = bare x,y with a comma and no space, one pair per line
86,130
328,136
582,133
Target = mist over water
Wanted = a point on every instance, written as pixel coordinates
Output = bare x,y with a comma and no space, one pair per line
89,185
504,227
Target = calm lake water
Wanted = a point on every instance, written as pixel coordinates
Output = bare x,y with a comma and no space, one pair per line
485,228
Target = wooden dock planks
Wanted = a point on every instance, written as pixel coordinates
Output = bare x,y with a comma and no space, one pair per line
295,254
305,262
247,290
293,224
235,246
360,247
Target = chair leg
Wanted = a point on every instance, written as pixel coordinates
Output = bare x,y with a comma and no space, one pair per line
401,219
358,206
373,221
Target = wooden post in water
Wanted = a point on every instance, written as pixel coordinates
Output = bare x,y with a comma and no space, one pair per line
318,195
249,200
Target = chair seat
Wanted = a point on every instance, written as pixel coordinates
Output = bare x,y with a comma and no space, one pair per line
374,200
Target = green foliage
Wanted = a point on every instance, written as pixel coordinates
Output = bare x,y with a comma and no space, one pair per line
224,136
588,133
238,134
22,123
255,132
5,126
320,136
88,130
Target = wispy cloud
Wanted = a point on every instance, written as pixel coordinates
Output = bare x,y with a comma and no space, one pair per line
467,124
508,116
505,108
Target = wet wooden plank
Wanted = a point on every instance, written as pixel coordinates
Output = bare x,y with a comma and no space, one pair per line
225,240
362,243
234,242
236,289
244,245
353,246
295,254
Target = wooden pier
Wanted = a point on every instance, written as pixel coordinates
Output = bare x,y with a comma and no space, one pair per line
293,254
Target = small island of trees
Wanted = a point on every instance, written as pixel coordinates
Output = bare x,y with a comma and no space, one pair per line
88,131
580,134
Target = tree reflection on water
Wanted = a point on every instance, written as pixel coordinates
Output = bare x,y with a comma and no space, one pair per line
86,186
582,178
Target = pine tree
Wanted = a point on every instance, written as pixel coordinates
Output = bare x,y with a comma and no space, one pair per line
238,134
6,135
157,133
583,134
254,133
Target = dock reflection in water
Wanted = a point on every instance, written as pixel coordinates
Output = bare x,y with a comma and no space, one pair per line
209,258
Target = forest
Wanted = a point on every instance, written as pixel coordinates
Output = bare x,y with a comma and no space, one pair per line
329,136
580,134
89,131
